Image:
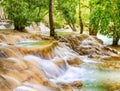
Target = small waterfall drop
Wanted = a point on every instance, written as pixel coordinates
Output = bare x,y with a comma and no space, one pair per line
52,66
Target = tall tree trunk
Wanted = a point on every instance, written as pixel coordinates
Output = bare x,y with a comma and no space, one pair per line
115,40
80,18
52,32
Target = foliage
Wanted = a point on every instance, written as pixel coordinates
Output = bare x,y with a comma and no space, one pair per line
105,17
68,10
95,16
23,12
39,9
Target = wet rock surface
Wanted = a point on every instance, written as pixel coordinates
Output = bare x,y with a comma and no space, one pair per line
40,68
74,61
21,71
87,45
109,63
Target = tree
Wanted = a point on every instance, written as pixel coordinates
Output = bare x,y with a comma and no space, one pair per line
80,18
68,11
110,22
106,18
23,12
83,14
95,17
52,32
40,9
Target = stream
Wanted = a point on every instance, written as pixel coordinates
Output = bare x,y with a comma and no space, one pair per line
72,63
90,73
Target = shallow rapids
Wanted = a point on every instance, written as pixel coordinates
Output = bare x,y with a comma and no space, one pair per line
52,66
90,73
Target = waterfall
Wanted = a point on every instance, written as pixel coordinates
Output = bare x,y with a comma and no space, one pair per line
52,66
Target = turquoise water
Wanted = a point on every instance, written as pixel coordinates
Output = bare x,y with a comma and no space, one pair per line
34,43
93,75
97,79
106,40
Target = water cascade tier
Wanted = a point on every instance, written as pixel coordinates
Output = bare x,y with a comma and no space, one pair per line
74,63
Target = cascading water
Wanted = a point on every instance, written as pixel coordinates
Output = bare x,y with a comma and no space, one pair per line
52,66
89,73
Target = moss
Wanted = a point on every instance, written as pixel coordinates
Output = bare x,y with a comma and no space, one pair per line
64,33
45,42
36,43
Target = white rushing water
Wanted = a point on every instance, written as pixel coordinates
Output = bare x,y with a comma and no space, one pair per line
32,87
89,73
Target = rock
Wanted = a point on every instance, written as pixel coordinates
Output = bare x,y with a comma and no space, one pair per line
76,84
71,86
87,45
74,61
59,62
109,63
66,87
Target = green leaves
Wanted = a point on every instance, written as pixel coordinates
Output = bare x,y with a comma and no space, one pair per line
95,18
68,9
24,12
105,17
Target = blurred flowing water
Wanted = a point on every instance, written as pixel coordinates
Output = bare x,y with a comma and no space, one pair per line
90,73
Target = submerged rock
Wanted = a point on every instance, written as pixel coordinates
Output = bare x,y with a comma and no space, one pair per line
71,86
74,61
76,84
66,87
109,63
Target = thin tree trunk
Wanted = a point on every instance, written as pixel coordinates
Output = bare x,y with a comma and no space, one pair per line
90,30
52,32
115,33
80,18
90,26
72,26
